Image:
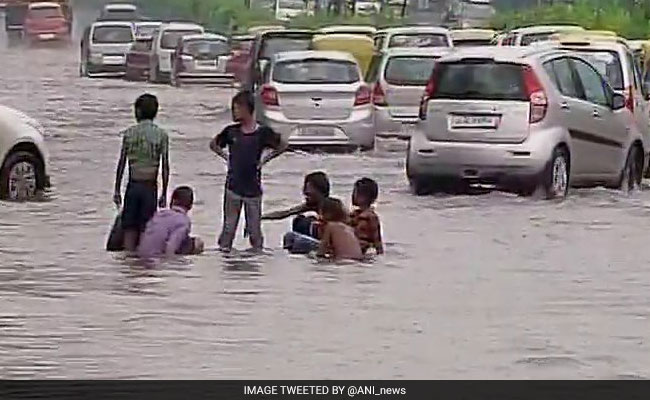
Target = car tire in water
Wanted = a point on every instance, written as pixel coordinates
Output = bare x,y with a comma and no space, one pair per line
83,69
22,176
632,174
154,74
555,178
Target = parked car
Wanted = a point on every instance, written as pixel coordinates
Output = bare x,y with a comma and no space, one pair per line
269,43
146,29
317,99
240,53
104,48
523,119
45,21
288,9
367,30
119,12
138,59
164,46
367,7
23,156
398,78
202,59
412,36
472,37
360,46
527,36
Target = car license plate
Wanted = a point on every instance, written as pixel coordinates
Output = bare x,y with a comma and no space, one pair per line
113,60
474,121
316,131
206,64
46,36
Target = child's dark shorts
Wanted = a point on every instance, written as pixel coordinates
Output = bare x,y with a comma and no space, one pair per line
305,225
140,204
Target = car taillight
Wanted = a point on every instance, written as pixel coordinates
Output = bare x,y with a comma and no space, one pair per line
363,96
629,99
269,96
536,96
429,91
378,95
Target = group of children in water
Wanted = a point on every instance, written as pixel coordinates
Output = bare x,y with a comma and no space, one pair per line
331,231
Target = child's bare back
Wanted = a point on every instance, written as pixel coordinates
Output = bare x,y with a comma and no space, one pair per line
340,242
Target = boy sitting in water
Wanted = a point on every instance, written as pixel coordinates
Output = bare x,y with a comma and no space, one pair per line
363,219
338,241
168,232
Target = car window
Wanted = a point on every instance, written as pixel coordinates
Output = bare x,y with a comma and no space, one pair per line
379,42
480,81
206,47
632,70
564,78
112,34
592,83
274,45
46,12
170,38
409,71
531,38
509,40
608,64
142,45
316,71
418,40
373,71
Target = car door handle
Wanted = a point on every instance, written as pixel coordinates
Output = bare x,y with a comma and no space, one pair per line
564,106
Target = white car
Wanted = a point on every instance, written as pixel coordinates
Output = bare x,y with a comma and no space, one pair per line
23,156
412,37
164,47
538,33
288,9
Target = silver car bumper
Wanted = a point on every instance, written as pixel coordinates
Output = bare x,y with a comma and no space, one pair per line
357,130
206,77
390,127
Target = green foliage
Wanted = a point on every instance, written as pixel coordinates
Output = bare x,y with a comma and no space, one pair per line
630,21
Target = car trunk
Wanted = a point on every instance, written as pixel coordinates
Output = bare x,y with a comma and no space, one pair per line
478,101
316,102
405,79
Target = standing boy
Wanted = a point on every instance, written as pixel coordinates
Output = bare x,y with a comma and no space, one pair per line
246,142
144,145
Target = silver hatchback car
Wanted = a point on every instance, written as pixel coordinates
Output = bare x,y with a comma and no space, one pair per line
523,119
398,77
316,99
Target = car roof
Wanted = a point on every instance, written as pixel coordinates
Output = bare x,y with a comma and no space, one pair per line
287,32
301,55
502,54
171,26
120,7
592,42
205,36
148,23
342,36
546,28
468,34
418,51
348,28
113,23
415,29
44,4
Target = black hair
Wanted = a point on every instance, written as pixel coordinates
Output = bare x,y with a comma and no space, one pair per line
146,107
244,99
367,188
319,181
333,210
183,196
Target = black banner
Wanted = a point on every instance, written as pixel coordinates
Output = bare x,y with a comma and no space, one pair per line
199,390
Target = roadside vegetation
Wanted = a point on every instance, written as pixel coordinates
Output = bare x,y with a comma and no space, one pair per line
628,20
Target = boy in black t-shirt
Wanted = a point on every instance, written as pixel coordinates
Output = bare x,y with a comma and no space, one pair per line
246,142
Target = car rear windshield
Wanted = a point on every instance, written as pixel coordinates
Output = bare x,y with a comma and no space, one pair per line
274,45
291,4
46,12
535,37
206,47
147,31
418,40
142,45
112,34
608,65
120,15
480,81
316,71
472,42
242,45
170,38
409,71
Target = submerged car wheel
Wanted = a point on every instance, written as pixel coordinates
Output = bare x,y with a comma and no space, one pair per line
632,171
555,181
83,70
21,177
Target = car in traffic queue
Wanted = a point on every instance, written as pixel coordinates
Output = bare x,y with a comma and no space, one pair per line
269,43
524,119
202,59
472,37
398,77
164,48
412,36
529,35
240,54
138,59
614,60
104,48
366,7
147,29
23,156
285,10
45,22
360,46
119,12
316,99
366,30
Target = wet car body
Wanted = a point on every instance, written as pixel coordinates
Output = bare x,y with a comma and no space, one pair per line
138,59
412,36
45,22
317,99
23,156
119,12
202,59
164,48
240,54
104,48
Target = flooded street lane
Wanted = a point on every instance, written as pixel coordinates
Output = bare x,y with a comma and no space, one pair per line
489,286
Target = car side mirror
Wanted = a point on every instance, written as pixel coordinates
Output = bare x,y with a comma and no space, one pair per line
618,101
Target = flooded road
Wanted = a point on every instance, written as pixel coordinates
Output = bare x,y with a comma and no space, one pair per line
489,286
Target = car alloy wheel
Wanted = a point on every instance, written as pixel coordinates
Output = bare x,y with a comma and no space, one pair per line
631,174
560,177
22,183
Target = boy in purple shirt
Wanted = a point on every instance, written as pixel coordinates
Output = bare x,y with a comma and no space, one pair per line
168,232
